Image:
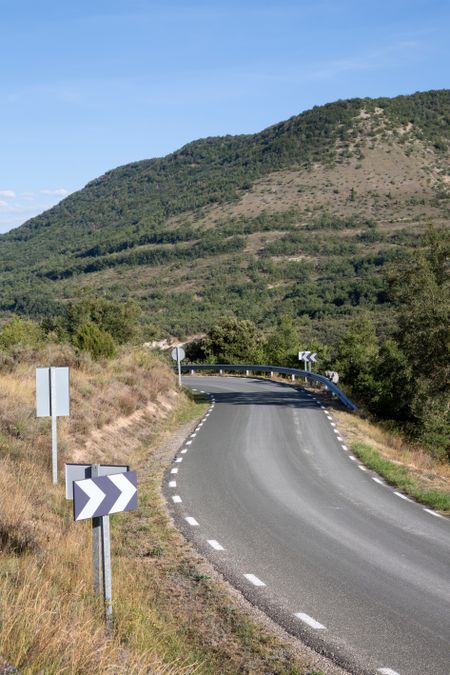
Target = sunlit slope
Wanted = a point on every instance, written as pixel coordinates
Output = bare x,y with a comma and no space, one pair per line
299,218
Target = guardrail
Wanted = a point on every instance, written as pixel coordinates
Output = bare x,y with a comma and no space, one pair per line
273,369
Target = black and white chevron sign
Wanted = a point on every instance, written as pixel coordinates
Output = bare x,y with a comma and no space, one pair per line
94,497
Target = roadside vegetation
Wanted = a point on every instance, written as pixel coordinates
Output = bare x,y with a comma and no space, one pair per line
170,615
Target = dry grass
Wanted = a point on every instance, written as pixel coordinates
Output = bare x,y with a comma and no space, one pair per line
169,616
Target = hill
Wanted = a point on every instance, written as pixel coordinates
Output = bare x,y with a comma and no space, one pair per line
300,218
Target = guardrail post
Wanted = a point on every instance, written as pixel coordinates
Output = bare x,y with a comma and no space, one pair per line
221,372
293,377
192,371
247,372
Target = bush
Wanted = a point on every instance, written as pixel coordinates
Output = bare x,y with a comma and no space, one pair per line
90,338
20,332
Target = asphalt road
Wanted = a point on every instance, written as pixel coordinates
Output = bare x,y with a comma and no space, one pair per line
266,488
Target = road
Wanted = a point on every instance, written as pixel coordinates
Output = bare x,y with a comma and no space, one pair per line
267,488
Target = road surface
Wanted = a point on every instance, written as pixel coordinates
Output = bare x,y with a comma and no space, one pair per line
267,488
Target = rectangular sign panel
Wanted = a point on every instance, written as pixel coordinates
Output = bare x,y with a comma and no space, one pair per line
52,392
95,497
75,472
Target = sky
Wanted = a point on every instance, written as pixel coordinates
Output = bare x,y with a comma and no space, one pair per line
88,85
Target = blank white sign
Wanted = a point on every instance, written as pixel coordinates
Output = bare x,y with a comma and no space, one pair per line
52,392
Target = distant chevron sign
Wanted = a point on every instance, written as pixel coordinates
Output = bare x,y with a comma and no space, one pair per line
94,497
310,357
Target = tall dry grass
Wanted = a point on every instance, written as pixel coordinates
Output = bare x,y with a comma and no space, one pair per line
50,621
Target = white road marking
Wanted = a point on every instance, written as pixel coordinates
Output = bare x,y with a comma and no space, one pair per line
336,431
191,521
387,671
194,389
407,499
184,451
339,438
254,580
172,483
323,407
344,447
215,545
176,499
433,513
201,391
310,621
377,480
188,442
363,468
173,470
332,423
179,459
352,457
193,435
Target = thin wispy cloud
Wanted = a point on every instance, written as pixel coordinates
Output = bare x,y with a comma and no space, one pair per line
7,193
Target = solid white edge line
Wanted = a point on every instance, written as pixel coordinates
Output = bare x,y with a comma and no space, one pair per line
172,483
312,623
215,545
433,513
191,521
254,580
387,671
173,470
176,499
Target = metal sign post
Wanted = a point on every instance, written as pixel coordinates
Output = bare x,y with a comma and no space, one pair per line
75,472
97,498
178,355
53,400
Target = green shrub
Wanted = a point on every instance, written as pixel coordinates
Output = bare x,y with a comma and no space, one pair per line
20,332
99,343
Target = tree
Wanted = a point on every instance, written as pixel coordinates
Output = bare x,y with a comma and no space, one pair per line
234,341
282,344
119,319
357,355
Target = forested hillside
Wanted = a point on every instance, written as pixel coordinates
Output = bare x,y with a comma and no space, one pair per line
299,219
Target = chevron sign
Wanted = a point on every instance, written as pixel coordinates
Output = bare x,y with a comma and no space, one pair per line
94,497
307,357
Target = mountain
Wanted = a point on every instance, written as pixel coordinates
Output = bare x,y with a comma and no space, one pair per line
300,218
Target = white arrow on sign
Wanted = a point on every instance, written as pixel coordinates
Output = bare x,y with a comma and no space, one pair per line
312,357
127,490
96,496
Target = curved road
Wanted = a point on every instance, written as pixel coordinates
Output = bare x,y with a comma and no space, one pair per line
267,488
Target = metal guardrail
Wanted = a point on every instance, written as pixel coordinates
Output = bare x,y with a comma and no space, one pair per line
274,369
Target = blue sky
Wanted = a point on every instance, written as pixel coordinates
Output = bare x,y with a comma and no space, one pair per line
89,85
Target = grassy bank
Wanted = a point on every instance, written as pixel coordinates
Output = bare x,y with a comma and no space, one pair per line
407,467
170,614
401,477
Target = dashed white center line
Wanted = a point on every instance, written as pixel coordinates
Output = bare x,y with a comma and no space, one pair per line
407,499
176,499
377,480
172,483
312,623
173,470
254,580
387,671
215,545
433,513
191,521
